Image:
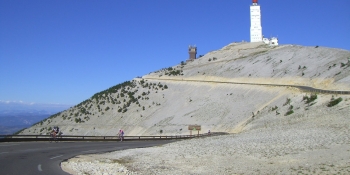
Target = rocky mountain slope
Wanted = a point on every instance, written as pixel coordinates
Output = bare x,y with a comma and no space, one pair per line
167,101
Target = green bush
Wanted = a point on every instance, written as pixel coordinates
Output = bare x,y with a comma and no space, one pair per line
78,120
287,102
334,102
289,112
310,99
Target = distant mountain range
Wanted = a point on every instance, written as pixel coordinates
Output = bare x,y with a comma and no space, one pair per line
15,116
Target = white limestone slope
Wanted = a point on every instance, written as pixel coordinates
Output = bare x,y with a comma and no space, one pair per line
315,139
259,63
214,106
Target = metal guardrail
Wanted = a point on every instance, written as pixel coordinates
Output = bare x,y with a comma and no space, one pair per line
26,138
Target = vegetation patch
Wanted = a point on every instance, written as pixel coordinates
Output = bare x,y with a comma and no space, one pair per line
287,102
334,102
290,110
309,99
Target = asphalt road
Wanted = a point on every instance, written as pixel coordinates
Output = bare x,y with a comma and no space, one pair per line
33,158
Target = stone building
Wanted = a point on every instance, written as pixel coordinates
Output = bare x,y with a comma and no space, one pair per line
192,51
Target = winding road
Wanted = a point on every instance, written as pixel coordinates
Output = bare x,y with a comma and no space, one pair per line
33,158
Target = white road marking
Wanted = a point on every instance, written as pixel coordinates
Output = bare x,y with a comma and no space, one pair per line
10,145
89,151
56,157
4,152
39,167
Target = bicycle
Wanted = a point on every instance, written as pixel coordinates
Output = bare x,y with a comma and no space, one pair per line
53,137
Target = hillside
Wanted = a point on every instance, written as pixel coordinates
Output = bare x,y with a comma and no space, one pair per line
170,99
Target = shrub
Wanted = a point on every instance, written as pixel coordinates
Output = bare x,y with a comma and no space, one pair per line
274,108
310,99
78,120
289,112
334,102
287,102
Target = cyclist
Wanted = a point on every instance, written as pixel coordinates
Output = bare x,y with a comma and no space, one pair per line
121,134
55,131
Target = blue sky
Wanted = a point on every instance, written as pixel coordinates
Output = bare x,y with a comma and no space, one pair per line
64,51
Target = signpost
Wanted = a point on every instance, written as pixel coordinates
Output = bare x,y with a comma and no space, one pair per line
194,128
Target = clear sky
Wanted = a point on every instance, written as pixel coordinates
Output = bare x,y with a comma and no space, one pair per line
64,51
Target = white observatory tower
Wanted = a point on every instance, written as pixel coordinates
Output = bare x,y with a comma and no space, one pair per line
255,23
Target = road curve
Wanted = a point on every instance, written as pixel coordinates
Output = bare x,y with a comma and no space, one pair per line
33,158
302,88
